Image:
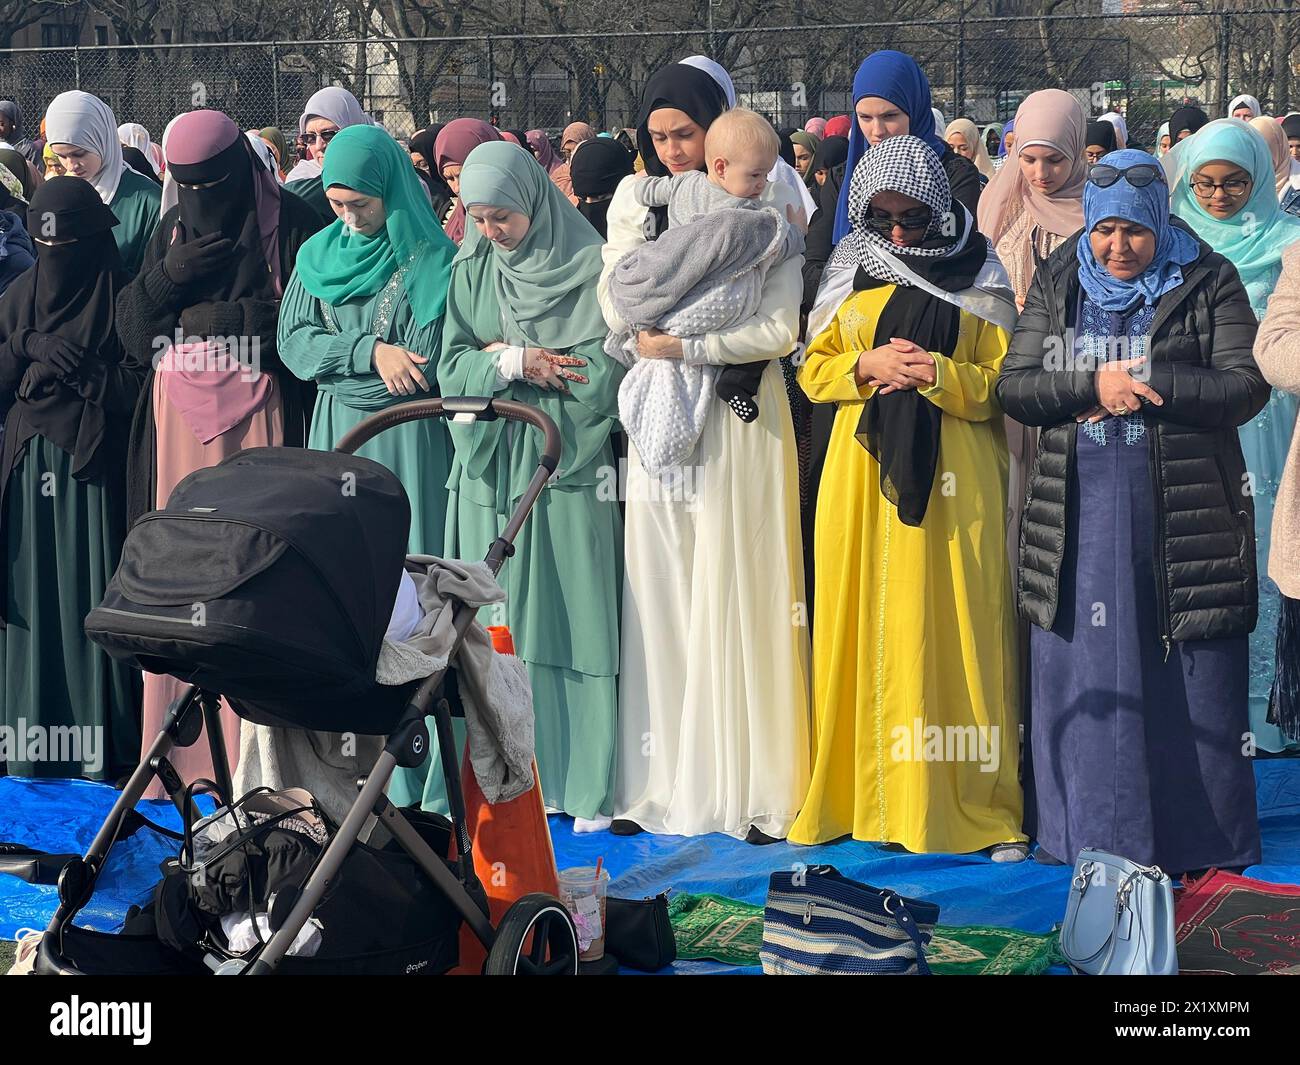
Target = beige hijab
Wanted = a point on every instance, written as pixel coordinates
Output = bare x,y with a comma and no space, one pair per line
1049,117
1278,149
971,135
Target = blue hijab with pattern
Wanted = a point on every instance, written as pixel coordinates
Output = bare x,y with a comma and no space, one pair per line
1147,206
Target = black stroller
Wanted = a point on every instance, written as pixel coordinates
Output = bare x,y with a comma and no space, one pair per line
281,567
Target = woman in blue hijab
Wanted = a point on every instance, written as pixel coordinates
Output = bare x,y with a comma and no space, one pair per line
1223,187
891,98
1133,354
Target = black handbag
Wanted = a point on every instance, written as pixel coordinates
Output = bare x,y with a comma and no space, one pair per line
639,934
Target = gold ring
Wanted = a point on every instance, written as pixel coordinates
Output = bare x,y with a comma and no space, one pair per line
1120,410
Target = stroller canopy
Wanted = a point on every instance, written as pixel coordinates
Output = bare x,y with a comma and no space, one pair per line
271,575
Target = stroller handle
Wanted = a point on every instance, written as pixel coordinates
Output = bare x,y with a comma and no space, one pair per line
482,407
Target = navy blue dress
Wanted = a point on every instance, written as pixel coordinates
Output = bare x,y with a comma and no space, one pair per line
1131,752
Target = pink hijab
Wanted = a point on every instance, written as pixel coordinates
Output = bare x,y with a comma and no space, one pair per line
1049,117
457,139
816,126
540,145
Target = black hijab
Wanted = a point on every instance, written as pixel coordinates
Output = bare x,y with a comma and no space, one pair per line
229,208
832,156
787,145
1186,118
686,89
1102,134
1291,126
596,167
440,193
71,292
136,161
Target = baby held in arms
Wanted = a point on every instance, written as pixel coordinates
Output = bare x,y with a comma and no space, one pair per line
704,274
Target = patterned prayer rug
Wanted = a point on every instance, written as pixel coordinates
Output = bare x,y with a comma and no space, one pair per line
1236,926
711,926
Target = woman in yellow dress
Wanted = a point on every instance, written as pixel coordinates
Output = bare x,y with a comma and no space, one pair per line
914,655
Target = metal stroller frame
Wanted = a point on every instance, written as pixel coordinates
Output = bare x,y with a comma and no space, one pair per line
407,745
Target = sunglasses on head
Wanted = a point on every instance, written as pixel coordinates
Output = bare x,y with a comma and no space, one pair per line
325,136
912,221
1139,175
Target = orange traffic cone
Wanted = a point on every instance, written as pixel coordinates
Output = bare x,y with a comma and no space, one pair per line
512,842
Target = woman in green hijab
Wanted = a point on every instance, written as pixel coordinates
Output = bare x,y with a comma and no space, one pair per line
523,323
363,313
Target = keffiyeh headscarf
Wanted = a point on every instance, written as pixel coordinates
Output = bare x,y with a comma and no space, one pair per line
907,165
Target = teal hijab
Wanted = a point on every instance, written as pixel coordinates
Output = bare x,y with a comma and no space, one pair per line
1254,238
546,287
339,264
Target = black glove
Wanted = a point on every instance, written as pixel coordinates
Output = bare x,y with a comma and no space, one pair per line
39,380
195,259
60,355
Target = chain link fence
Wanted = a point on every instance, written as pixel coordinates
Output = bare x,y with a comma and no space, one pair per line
1143,65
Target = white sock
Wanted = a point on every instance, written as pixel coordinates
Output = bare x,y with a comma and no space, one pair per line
592,824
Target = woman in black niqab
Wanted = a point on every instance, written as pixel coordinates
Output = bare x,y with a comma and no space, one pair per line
62,496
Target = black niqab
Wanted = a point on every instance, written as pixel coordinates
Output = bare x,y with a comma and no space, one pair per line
71,292
229,208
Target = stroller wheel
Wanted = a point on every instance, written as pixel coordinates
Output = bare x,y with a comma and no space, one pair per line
535,938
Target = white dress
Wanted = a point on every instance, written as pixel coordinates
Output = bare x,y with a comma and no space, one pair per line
714,709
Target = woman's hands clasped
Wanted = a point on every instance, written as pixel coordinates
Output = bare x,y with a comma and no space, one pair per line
895,367
400,369
1119,393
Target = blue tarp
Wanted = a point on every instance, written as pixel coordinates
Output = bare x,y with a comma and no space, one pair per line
970,889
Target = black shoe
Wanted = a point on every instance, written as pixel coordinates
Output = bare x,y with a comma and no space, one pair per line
759,839
1043,858
620,826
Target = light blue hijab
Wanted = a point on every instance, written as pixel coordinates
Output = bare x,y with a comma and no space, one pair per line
1148,206
1254,238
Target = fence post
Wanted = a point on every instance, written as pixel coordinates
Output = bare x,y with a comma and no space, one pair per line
959,78
76,66
275,82
1224,59
491,83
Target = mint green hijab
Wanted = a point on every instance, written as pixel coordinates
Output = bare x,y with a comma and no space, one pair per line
546,287
339,264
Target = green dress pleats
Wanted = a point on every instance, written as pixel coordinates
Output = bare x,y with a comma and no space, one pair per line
564,581
63,541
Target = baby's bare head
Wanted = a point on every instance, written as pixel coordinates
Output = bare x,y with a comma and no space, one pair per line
741,147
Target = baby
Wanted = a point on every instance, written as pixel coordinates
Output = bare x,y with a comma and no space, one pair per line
704,274
740,150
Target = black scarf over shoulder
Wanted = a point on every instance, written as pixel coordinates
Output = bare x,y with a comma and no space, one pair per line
901,430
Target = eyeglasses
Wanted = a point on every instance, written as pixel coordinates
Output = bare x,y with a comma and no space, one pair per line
1234,187
325,136
1139,175
885,223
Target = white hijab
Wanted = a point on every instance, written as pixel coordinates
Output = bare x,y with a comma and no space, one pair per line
336,104
1121,127
76,117
782,172
263,152
134,135
1249,101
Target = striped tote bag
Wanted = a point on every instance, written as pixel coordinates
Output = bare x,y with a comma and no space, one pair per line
818,922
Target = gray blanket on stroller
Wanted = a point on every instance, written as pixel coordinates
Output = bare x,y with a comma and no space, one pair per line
494,688
697,278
